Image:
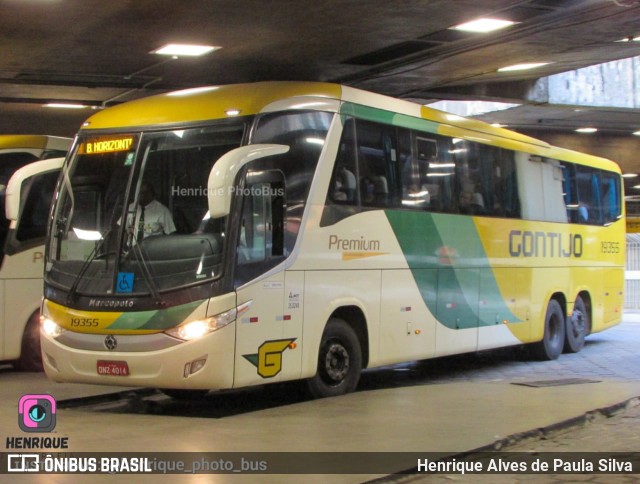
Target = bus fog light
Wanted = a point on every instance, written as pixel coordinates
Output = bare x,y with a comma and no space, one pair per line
197,329
194,366
50,328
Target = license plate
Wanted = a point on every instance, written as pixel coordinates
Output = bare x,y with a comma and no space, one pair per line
113,368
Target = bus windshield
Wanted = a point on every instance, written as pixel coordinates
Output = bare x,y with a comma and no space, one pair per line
132,219
131,216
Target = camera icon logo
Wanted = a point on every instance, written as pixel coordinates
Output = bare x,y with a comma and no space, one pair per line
37,413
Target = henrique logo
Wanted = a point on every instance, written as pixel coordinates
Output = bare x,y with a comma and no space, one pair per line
37,413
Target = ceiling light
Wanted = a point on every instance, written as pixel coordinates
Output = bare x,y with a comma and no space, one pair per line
483,25
636,133
586,130
65,105
522,67
629,175
185,49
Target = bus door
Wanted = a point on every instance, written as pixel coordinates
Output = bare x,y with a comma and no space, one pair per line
265,339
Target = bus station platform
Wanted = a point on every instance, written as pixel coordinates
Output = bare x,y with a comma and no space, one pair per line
455,405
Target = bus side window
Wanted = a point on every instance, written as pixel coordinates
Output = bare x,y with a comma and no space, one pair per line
367,171
378,168
342,198
506,201
436,171
343,186
588,184
610,197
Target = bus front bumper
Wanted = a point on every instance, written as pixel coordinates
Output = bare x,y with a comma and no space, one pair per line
205,363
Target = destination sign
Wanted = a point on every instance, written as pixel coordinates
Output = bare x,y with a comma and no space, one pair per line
106,145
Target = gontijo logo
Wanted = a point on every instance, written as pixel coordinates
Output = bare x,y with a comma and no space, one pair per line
268,360
37,413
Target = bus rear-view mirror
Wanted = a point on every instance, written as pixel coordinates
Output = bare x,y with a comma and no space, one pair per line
14,186
226,169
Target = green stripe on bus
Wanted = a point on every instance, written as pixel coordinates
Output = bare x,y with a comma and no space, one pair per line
160,319
387,117
449,263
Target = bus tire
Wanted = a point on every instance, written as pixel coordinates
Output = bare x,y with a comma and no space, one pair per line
339,361
184,395
30,354
552,342
577,327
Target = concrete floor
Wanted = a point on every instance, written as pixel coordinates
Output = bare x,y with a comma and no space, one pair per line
447,417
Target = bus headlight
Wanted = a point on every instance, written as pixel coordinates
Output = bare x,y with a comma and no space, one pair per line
197,329
50,328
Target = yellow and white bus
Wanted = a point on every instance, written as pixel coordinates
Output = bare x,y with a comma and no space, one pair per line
319,230
22,234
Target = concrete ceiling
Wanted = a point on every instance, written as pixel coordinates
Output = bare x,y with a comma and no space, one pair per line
97,52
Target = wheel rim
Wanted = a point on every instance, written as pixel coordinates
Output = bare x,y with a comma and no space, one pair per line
577,324
554,330
336,363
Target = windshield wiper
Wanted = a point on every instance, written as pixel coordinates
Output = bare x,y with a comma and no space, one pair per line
132,245
85,266
93,255
146,274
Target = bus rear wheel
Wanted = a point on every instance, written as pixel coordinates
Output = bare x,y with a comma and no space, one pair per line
339,361
578,326
552,342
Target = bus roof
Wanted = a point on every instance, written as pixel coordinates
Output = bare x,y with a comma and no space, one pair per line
33,141
579,157
206,103
226,101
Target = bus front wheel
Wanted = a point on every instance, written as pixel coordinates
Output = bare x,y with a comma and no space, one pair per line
339,361
30,354
552,342
578,326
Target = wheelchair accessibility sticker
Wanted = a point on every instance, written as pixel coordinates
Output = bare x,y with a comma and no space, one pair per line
125,282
